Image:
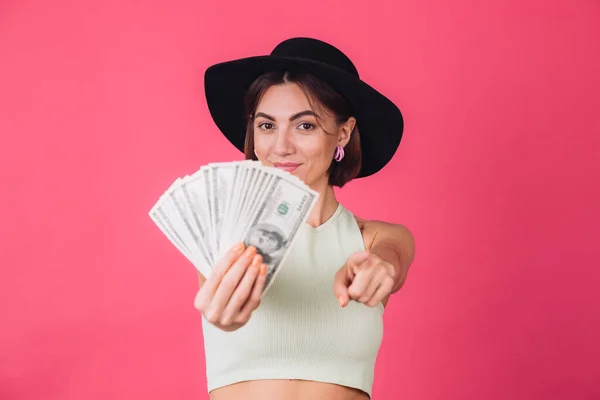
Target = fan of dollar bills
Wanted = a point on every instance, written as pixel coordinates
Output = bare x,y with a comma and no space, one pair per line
206,213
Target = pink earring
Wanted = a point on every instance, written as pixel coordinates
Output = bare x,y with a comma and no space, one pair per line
339,154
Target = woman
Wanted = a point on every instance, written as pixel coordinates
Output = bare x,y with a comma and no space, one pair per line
316,332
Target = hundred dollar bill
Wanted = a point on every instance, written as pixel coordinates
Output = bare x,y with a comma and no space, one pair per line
162,214
186,213
251,172
169,221
222,180
282,210
157,215
209,198
194,192
230,221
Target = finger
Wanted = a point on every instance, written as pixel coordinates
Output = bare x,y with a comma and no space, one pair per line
357,259
373,285
231,280
382,291
253,302
368,274
242,292
214,279
340,286
360,283
208,289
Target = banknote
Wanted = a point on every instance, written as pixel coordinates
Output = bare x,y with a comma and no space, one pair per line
222,203
193,189
170,221
277,218
222,178
193,230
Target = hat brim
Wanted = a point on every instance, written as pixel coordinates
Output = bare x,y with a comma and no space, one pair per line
380,122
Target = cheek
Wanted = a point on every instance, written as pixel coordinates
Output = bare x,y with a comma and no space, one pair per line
261,143
315,150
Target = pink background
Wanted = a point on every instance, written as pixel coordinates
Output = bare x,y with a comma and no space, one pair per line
101,108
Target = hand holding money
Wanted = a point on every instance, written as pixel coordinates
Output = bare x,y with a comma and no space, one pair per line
233,290
206,213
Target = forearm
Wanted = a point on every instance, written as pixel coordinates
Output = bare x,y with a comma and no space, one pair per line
391,254
398,250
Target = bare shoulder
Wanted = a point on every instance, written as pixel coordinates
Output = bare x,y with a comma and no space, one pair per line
374,231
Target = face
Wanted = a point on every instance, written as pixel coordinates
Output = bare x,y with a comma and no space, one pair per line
288,135
264,240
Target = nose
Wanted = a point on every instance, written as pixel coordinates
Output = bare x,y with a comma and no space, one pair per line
283,145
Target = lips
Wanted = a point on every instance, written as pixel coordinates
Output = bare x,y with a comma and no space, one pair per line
289,167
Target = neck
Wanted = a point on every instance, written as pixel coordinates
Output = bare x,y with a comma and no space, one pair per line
325,206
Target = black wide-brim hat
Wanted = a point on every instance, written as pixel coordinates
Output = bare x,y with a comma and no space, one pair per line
380,122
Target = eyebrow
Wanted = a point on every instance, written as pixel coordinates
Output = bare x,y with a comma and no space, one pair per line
292,118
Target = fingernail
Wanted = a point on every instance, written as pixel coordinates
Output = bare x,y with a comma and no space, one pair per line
263,269
257,260
341,300
238,247
250,251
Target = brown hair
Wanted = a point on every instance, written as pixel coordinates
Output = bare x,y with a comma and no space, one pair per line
326,97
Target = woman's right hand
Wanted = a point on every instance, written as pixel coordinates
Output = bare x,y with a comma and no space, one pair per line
233,290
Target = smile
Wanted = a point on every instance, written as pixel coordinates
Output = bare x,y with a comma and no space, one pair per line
289,167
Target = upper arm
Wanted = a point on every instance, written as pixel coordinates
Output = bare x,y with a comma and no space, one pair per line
396,236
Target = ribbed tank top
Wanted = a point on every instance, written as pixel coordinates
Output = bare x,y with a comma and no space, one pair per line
299,331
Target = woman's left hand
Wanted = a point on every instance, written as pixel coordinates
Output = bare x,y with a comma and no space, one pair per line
364,278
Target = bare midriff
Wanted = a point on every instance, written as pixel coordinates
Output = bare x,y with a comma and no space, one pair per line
286,390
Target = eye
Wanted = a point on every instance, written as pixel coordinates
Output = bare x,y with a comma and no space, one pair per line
265,126
306,126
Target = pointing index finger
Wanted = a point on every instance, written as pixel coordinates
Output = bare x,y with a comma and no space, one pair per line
356,259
